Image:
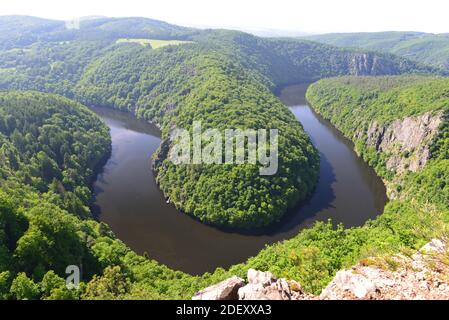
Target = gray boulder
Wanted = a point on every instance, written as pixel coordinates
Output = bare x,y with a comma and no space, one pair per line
225,290
264,286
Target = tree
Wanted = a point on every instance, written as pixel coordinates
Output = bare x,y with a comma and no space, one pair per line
113,284
54,287
5,283
23,288
51,241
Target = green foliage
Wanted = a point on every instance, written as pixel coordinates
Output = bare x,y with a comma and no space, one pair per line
382,99
222,78
421,209
52,144
24,288
225,84
22,31
153,43
54,287
12,227
48,66
432,184
50,243
5,284
50,147
112,285
431,49
440,146
353,104
189,83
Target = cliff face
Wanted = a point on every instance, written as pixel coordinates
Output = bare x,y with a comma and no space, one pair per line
260,286
423,275
374,64
406,141
366,64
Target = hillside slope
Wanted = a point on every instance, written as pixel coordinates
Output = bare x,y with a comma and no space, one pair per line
22,31
233,73
422,275
176,86
417,212
224,78
172,86
431,49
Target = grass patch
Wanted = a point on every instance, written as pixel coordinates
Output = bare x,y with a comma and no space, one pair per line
153,43
4,70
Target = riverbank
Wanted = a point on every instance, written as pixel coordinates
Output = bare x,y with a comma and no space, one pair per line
135,209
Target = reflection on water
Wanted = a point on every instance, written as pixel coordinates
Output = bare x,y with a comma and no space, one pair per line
129,200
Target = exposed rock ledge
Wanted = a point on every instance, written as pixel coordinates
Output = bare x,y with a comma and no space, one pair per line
261,286
424,275
405,141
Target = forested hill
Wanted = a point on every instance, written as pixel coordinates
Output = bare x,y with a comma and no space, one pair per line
22,31
287,61
394,122
216,76
57,66
179,85
431,49
232,72
49,148
45,140
50,145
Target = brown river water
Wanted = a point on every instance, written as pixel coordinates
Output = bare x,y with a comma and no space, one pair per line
129,201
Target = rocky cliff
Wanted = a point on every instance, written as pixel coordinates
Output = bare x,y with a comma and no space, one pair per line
365,64
422,275
405,141
259,286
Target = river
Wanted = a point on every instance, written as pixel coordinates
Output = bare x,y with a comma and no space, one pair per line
129,201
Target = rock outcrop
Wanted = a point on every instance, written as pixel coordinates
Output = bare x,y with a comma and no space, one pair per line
423,275
261,286
405,141
225,290
365,64
370,64
264,286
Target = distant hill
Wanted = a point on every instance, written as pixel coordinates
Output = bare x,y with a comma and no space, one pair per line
50,146
104,63
21,31
426,48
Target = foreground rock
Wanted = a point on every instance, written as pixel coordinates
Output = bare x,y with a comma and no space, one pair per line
261,286
423,275
410,136
264,286
225,290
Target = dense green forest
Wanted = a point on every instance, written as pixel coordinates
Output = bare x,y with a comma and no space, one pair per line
431,49
174,85
312,257
50,148
22,31
51,143
353,104
224,71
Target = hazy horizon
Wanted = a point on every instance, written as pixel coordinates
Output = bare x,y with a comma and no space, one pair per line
302,17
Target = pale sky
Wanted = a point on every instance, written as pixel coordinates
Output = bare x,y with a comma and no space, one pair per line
314,16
